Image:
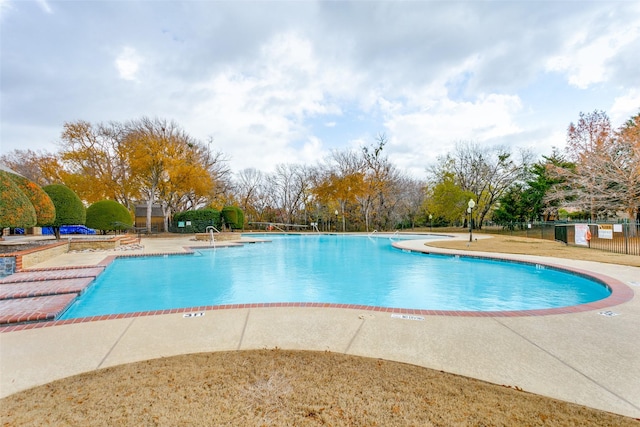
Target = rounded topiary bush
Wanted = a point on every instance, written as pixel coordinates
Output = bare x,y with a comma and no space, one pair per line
233,217
44,208
108,215
69,207
15,208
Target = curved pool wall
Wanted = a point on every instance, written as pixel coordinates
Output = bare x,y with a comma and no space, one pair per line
619,292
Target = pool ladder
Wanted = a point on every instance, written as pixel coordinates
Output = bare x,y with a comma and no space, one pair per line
212,239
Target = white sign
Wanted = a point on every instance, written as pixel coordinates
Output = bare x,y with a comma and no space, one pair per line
617,228
605,231
582,234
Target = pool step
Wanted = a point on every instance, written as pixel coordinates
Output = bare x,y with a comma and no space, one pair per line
41,295
128,240
53,274
36,309
44,288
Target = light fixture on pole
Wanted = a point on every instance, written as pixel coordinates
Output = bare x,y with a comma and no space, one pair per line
336,212
430,222
470,207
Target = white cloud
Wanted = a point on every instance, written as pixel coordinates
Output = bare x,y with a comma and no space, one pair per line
443,120
265,103
46,7
624,107
283,83
585,58
128,63
419,137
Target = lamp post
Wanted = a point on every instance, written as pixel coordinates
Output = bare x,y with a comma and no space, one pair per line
430,222
336,212
470,207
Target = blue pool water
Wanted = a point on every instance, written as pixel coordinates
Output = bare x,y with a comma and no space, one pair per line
329,269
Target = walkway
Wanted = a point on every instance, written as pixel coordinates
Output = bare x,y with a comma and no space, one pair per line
590,358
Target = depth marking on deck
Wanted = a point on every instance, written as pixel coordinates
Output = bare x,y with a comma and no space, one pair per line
608,313
189,315
406,317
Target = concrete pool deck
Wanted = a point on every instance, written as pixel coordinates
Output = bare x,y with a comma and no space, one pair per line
591,357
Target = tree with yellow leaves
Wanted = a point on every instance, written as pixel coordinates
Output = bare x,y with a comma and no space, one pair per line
167,166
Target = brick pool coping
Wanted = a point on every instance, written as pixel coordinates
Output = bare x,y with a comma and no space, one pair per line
620,293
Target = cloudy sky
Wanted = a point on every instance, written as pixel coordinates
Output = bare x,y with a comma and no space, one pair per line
287,82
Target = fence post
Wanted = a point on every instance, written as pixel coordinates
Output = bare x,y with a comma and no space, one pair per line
625,235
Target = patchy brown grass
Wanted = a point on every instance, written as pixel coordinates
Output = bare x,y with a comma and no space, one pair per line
286,388
529,246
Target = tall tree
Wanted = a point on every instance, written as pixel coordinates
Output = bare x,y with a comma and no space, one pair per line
164,165
412,197
289,186
485,172
15,208
248,189
606,177
587,143
380,175
446,200
341,184
44,208
96,165
39,166
625,166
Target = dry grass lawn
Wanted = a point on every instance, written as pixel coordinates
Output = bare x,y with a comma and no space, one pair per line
286,388
298,388
528,246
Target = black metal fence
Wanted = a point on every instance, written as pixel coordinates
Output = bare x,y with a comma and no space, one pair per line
622,238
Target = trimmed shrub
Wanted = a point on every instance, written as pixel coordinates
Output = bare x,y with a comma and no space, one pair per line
199,219
233,217
45,210
69,207
15,208
108,215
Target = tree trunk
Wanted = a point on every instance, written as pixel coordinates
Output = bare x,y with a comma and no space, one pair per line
165,214
149,208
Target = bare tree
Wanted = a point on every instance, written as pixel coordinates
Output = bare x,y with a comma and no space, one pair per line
487,172
605,177
248,188
289,186
411,199
625,167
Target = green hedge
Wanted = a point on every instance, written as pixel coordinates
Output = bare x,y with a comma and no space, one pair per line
15,208
233,217
108,215
69,207
45,210
199,219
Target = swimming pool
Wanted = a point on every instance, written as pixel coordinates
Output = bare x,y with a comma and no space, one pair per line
336,269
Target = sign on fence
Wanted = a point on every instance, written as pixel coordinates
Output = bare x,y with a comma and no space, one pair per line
605,231
582,234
